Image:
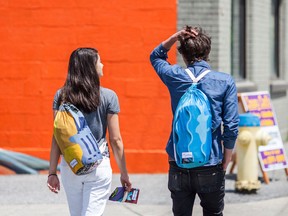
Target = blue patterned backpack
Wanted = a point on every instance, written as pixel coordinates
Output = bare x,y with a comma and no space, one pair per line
192,136
75,140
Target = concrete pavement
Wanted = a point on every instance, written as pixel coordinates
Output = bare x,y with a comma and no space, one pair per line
27,195
273,207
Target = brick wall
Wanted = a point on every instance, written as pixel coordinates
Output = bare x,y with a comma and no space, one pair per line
215,17
36,39
260,55
258,42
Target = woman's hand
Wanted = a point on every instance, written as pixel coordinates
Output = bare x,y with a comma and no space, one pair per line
53,183
124,178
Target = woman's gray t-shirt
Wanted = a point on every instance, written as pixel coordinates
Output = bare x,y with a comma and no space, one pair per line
97,120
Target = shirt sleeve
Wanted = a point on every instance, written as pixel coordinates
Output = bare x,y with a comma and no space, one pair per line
230,116
158,59
113,103
55,101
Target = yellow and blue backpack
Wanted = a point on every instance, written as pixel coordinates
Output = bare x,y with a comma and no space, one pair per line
192,136
75,140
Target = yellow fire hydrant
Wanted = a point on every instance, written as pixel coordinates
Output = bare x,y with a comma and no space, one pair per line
249,138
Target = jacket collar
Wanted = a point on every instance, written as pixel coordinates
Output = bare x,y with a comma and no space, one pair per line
199,67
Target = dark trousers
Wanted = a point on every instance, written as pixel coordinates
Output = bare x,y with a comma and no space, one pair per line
207,182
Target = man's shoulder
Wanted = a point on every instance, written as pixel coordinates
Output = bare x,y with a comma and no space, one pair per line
173,71
221,75
177,67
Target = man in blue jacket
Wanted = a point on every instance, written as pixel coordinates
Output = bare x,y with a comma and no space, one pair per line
207,181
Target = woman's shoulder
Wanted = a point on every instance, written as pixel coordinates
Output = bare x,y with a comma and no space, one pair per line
107,94
107,91
109,98
57,94
56,98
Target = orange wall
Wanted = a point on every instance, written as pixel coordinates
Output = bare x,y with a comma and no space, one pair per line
36,39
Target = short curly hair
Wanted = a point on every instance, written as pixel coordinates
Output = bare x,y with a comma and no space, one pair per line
195,48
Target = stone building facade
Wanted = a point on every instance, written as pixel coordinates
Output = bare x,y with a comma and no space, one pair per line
249,41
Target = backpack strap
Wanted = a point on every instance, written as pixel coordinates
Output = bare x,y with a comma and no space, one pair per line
75,112
194,79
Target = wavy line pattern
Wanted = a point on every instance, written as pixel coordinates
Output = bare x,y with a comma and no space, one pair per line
192,129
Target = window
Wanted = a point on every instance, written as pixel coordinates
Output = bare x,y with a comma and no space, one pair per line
238,40
275,38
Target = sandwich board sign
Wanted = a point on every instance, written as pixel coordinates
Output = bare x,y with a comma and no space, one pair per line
271,156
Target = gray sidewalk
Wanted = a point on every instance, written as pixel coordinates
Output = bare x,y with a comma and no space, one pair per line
274,207
22,195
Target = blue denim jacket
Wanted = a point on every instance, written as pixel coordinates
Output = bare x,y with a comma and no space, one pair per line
220,89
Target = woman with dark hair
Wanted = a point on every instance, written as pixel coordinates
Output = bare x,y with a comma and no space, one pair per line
88,194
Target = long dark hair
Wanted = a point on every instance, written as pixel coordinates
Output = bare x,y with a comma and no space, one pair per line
82,85
195,48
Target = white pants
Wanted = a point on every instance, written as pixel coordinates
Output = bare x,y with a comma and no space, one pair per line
87,195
